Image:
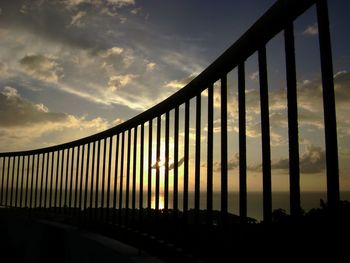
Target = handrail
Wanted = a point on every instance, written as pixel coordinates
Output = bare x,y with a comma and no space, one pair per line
270,24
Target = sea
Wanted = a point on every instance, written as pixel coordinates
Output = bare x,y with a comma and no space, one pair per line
280,200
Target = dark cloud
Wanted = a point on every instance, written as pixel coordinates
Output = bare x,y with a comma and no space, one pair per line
171,166
41,67
27,125
312,161
46,19
16,111
231,164
53,20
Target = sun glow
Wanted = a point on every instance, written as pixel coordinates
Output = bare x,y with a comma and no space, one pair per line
161,202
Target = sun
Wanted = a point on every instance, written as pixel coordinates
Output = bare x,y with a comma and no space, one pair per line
161,164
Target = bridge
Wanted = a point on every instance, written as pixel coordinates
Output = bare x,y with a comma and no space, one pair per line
113,183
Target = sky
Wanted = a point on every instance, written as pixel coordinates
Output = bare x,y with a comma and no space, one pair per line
72,68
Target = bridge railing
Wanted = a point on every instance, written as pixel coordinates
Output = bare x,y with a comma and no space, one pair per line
111,174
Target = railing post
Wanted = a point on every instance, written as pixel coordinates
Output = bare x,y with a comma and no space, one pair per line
121,180
2,179
186,159
242,144
7,180
57,174
97,179
210,155
176,162
17,179
330,120
166,164
197,160
41,181
265,136
127,185
92,180
66,182
22,180
80,205
71,181
149,181
12,178
103,179
141,175
31,184
157,165
27,182
133,200
81,180
61,181
115,180
46,177
76,182
109,178
294,170
87,182
224,150
51,179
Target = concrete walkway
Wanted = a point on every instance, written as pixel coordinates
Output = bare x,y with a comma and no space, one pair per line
28,240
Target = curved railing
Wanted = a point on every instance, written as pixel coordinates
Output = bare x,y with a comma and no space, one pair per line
116,173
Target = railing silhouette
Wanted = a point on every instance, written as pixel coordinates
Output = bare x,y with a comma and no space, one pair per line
109,177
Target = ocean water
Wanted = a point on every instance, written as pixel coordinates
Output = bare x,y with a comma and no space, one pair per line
309,200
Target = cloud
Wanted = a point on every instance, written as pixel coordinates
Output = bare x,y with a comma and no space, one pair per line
16,111
117,121
61,22
19,112
151,66
310,104
111,3
9,92
341,87
181,61
217,125
254,76
178,84
78,19
25,125
171,165
121,3
4,71
120,81
46,20
136,11
231,164
41,67
74,3
311,162
111,51
311,30
128,57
